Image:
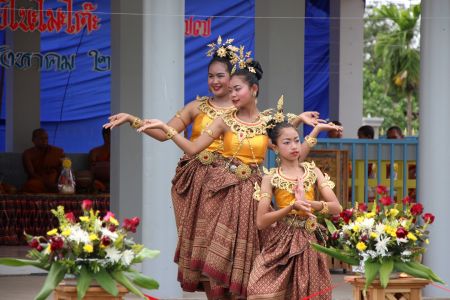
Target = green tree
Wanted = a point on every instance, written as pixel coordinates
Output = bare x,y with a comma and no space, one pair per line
398,51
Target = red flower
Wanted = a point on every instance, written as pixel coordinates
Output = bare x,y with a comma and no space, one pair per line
112,227
429,218
86,205
106,241
346,215
131,224
108,216
386,201
335,219
407,200
335,235
416,209
362,206
381,189
34,243
401,232
70,217
56,243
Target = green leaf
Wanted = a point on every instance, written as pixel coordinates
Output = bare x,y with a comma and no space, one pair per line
145,253
120,277
425,269
330,226
142,280
385,270
405,268
16,262
83,282
54,277
336,253
370,270
106,281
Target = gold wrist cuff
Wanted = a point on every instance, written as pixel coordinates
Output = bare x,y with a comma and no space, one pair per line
171,132
136,123
311,141
324,209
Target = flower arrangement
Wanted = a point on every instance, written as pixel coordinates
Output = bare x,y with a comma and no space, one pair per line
389,237
93,248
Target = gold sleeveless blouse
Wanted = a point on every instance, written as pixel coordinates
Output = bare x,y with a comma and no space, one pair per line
284,186
208,113
245,141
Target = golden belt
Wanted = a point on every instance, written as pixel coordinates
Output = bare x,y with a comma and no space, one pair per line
309,224
242,171
206,157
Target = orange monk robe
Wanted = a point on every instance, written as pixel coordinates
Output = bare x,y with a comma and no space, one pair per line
43,167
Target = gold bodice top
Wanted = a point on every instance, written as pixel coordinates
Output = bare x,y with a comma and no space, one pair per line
208,113
283,186
245,141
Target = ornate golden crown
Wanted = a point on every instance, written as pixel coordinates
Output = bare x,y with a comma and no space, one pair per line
225,49
242,60
279,116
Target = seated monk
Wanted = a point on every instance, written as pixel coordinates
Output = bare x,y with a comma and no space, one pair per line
99,162
42,164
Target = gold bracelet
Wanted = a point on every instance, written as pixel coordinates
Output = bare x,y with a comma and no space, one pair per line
171,132
324,209
291,204
136,123
311,141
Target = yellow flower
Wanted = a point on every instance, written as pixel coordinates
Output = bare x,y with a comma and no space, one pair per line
373,235
53,231
359,219
411,236
114,221
355,228
361,246
66,232
67,163
427,241
370,215
88,248
393,212
48,250
93,237
84,219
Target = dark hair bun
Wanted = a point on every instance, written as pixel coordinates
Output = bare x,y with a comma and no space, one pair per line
257,66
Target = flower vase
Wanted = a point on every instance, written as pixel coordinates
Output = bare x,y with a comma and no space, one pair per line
67,290
360,270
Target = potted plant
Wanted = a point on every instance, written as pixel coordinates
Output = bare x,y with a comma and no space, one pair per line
388,238
89,248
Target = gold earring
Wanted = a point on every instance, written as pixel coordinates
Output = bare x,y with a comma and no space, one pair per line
277,159
254,94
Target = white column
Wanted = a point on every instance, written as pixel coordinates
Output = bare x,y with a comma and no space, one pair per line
280,49
434,161
346,63
163,94
23,105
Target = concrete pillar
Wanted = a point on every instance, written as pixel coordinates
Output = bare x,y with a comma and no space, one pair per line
280,49
346,63
163,94
23,105
434,161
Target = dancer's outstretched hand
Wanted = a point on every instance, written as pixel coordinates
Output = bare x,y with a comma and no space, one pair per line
310,118
117,120
151,124
329,126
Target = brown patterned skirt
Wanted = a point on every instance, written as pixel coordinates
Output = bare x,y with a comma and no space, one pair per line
288,267
226,241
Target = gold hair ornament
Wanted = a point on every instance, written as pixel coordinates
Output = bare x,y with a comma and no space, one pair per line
225,49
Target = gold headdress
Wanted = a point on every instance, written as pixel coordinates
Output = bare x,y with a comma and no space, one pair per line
242,61
225,49
279,116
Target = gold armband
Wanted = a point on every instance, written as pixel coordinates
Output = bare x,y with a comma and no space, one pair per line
311,141
171,132
136,123
327,183
178,115
265,195
324,209
209,132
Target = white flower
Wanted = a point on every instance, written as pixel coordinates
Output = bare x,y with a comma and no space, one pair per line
367,224
78,235
381,245
127,257
97,225
112,235
379,229
406,253
401,240
113,254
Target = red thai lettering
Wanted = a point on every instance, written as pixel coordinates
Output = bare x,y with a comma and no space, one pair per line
197,27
